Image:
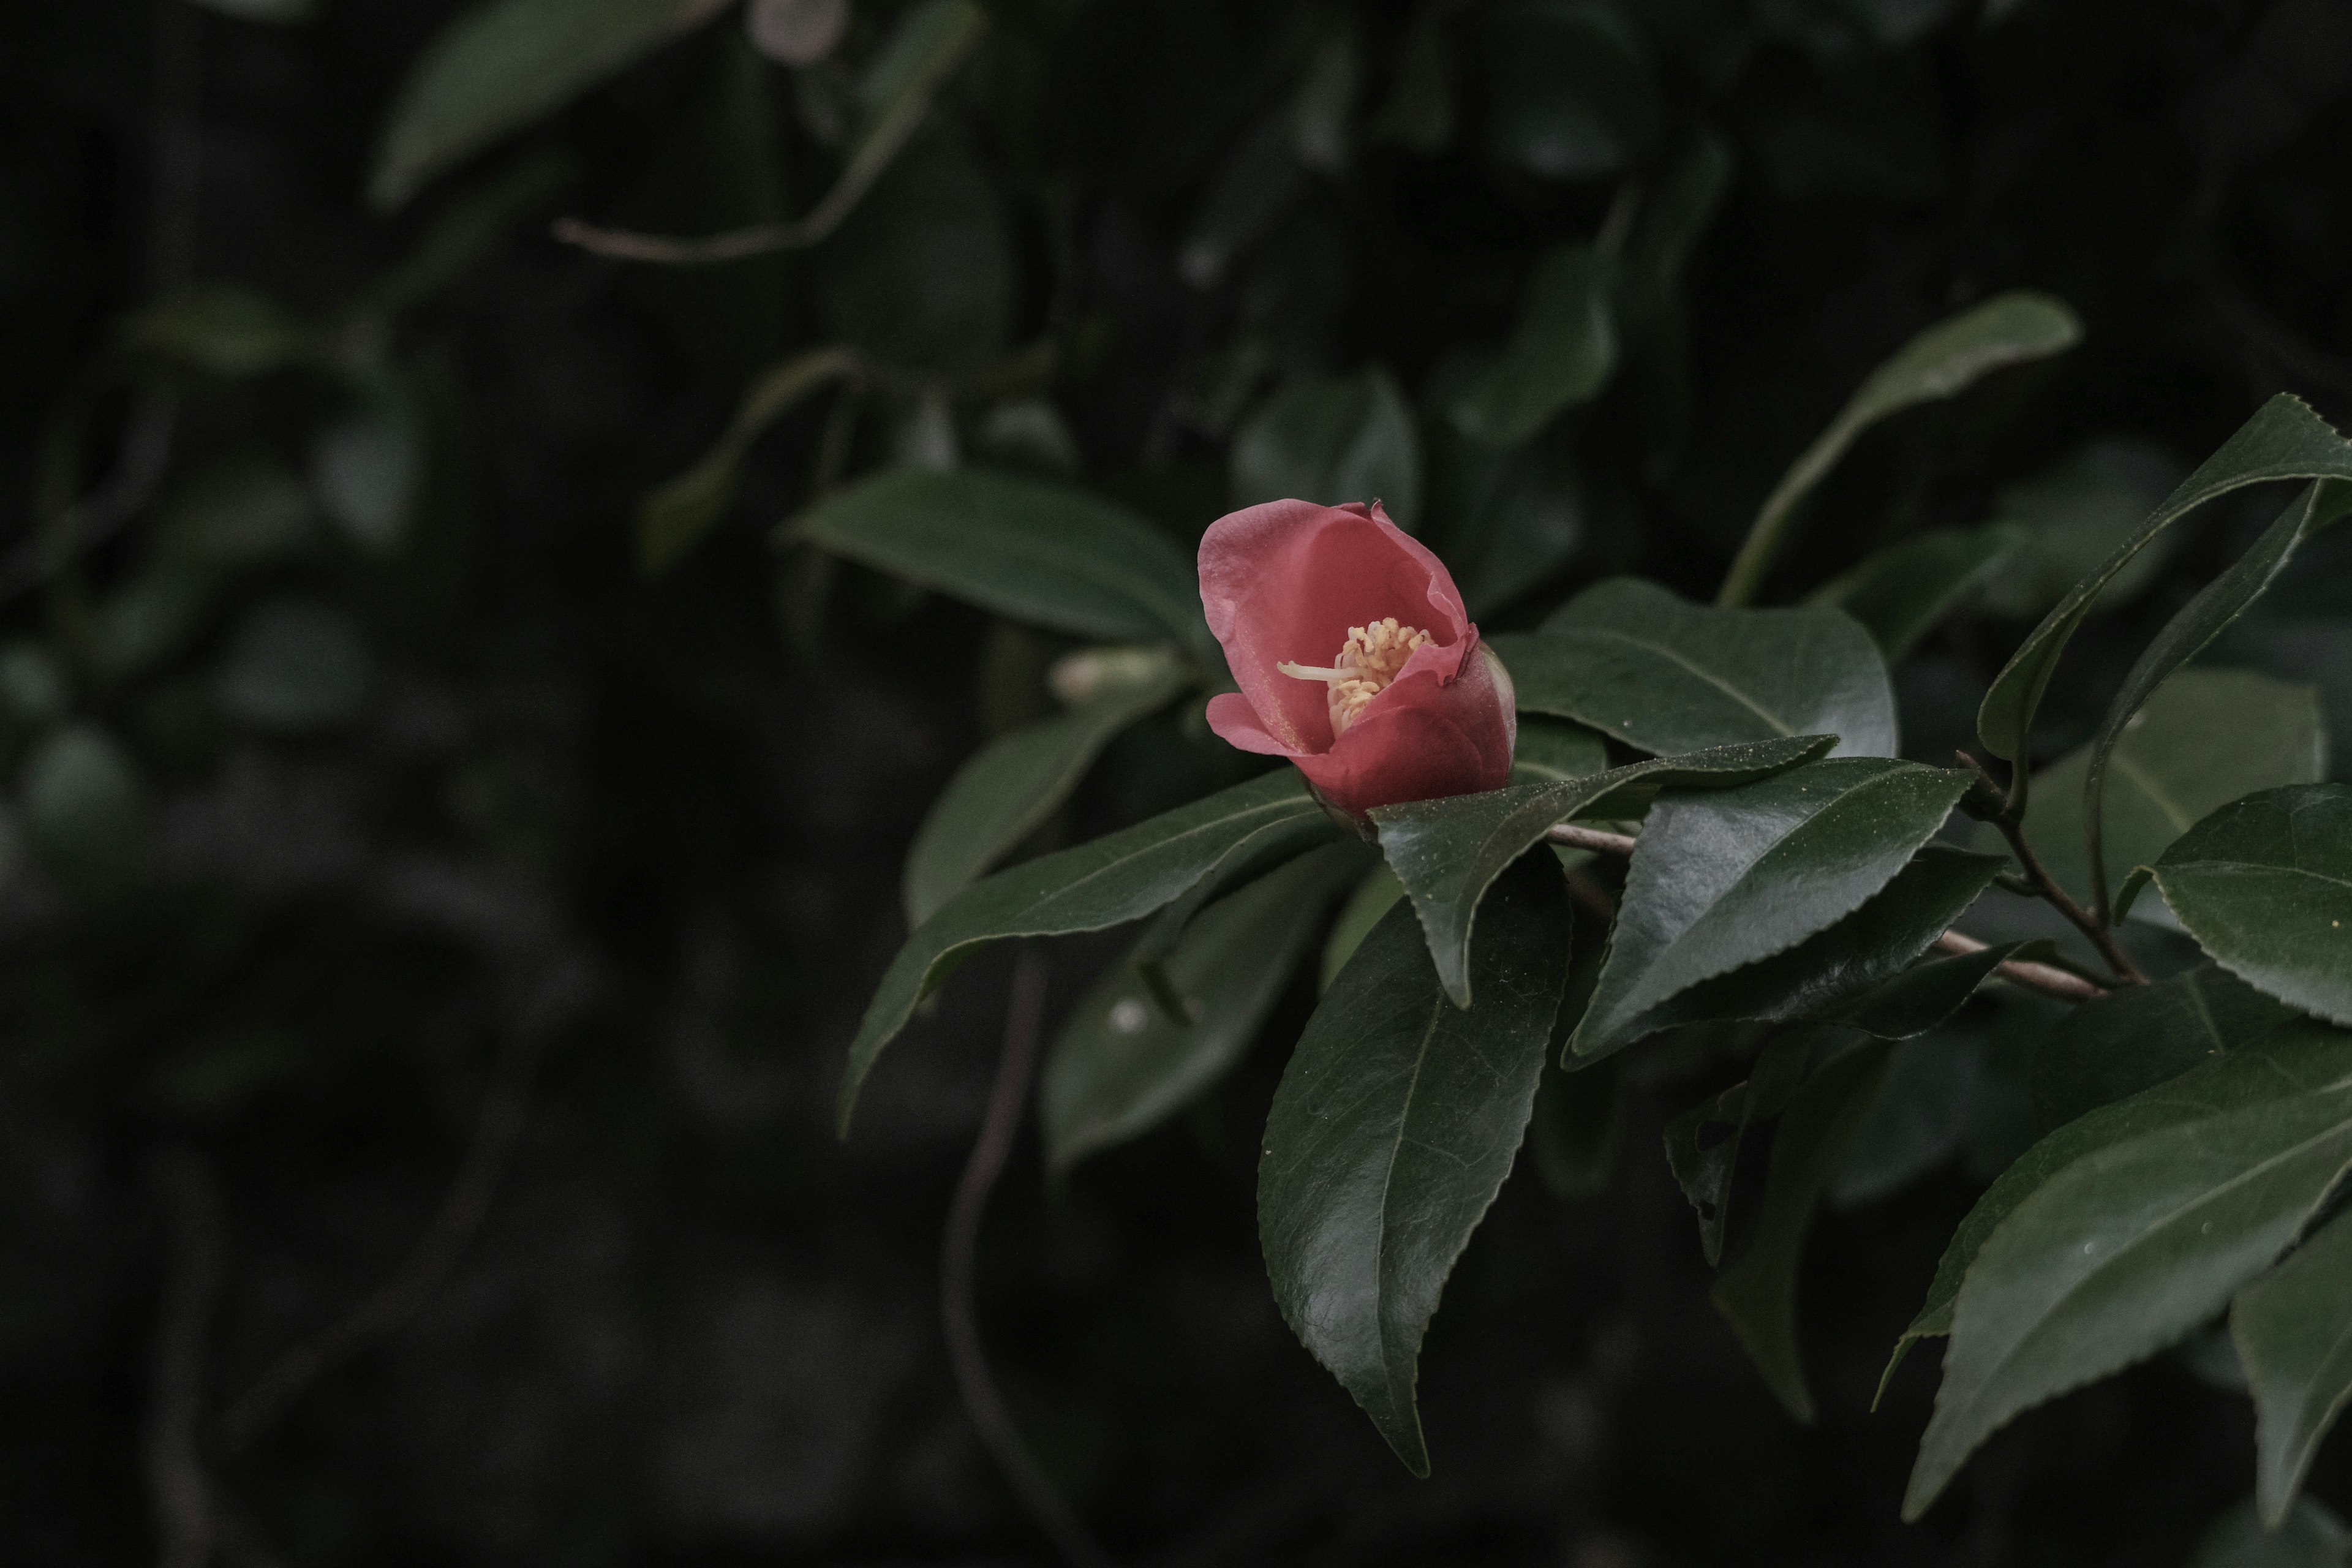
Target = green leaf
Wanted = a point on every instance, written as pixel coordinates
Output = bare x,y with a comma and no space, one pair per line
1548,751
2137,1036
1448,851
1391,1131
1025,549
240,512
2295,1340
2310,1536
465,227
676,514
1703,1142
86,807
501,65
295,664
1004,790
2130,1247
2265,887
1940,363
1505,521
1120,1065
367,461
1859,970
220,328
1569,93
1374,896
2071,514
145,621
1561,354
2207,738
1261,177
924,273
2185,636
1332,440
2283,440
1902,593
1758,1293
1726,877
1105,882
1638,664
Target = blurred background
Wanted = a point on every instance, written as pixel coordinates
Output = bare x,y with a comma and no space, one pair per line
439,884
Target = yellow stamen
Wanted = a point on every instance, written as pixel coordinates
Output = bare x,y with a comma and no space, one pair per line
1363,670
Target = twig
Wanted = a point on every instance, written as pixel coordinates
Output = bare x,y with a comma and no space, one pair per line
2046,887
186,1519
2046,978
1024,1027
497,1130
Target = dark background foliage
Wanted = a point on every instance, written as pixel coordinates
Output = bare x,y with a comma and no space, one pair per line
560,918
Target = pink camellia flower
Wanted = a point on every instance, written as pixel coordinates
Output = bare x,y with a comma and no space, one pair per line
1355,657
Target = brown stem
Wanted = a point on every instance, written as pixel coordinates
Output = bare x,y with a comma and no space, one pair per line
1593,838
1023,1025
2058,899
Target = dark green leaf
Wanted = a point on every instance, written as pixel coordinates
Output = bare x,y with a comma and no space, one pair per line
676,514
2265,887
1549,750
2311,1536
1010,786
1260,179
295,664
1374,897
2184,637
1332,440
243,510
147,620
2071,515
503,65
2283,440
1505,521
2130,1247
86,807
2295,1340
1025,549
1105,882
1726,877
1635,662
1569,90
1900,593
1702,1143
1120,1065
1392,1130
1559,355
465,226
923,273
1916,1122
220,329
1447,852
2209,737
1578,1127
1942,362
366,463
2137,1036
1859,970
1758,1293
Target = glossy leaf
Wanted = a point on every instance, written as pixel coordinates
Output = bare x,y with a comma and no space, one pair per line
1549,750
1702,1143
1004,790
2265,887
1640,665
2138,1036
1902,592
1332,440
2185,636
676,514
2310,1536
1940,363
1447,852
1757,1294
1121,1065
2209,737
2130,1247
2295,1339
1728,877
1860,971
2283,440
504,64
1028,549
1374,896
1392,1130
1103,883
1560,354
